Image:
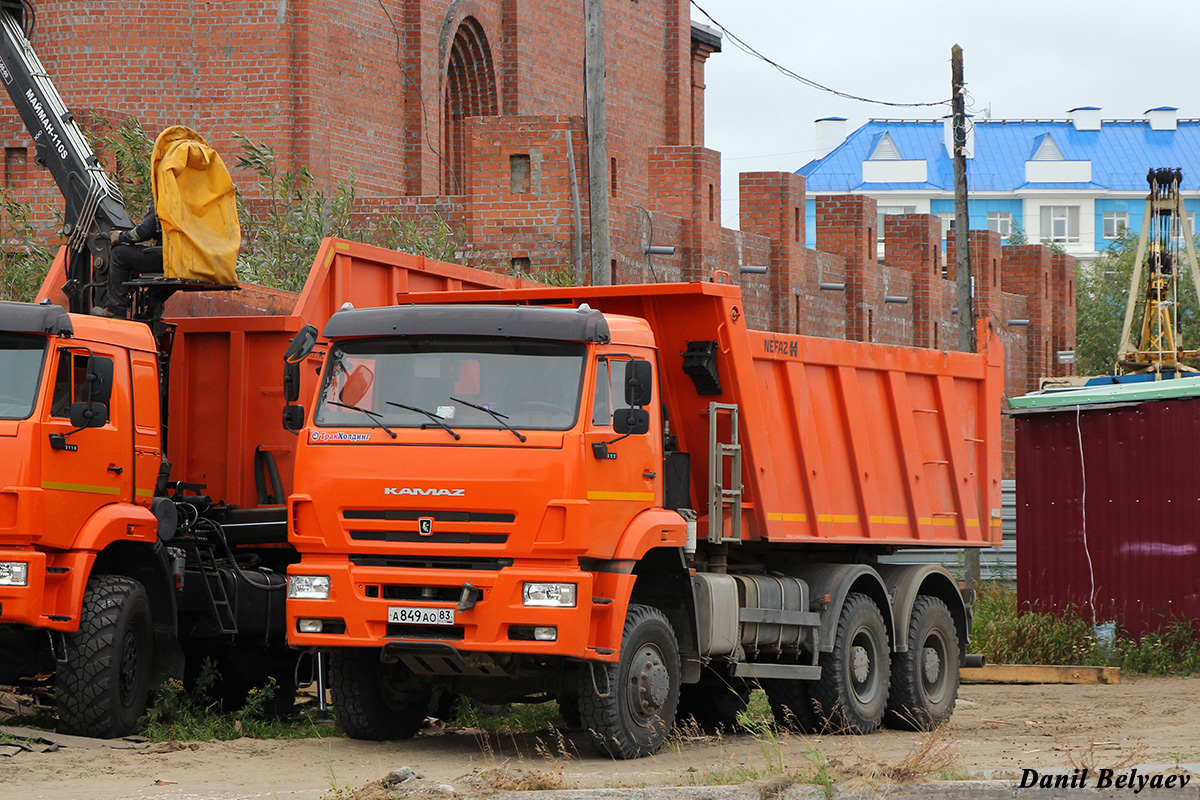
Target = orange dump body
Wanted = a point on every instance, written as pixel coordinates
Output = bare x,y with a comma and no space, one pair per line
842,443
60,508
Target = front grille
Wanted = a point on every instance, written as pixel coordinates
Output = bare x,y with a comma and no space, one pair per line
439,594
445,633
437,537
431,562
411,515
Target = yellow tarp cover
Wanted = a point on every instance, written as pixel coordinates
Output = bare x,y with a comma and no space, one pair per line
197,208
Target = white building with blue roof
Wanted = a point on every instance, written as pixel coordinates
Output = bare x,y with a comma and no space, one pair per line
1075,182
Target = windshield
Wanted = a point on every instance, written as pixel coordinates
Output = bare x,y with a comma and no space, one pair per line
21,359
453,383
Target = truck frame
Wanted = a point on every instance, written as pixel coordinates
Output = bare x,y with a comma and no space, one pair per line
622,499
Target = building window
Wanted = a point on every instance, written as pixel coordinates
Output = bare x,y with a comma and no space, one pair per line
470,92
947,220
1114,223
1191,222
1000,222
1060,224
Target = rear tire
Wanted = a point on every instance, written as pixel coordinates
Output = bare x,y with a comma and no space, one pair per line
373,700
102,688
852,691
925,679
629,707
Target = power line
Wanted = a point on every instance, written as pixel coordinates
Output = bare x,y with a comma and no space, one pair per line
748,49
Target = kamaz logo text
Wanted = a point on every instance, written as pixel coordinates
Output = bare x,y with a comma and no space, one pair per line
426,492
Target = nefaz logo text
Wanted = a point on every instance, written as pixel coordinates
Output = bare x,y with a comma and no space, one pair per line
780,347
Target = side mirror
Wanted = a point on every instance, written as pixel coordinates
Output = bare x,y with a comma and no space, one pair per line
293,418
297,350
301,345
99,381
291,382
639,377
86,414
357,383
634,421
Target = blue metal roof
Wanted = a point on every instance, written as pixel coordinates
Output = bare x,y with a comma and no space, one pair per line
1121,152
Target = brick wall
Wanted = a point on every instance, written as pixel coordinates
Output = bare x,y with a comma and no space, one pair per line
464,109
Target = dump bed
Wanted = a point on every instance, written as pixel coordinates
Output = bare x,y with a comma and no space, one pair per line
226,380
842,442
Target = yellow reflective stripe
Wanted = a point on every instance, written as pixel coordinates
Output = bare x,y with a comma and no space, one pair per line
145,493
80,487
935,521
972,523
997,523
837,518
890,520
647,496
776,517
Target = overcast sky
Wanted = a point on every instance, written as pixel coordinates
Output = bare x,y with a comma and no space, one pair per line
1022,58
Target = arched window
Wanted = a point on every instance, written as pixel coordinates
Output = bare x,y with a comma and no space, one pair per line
470,92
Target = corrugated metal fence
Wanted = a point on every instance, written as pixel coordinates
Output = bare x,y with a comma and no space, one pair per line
995,563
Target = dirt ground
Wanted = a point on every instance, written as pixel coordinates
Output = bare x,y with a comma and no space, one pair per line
995,730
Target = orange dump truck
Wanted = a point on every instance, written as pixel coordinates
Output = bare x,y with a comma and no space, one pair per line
127,552
622,499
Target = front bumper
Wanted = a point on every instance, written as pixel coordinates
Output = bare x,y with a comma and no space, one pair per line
583,631
53,592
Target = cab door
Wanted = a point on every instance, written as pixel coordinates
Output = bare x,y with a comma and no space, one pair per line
83,470
622,472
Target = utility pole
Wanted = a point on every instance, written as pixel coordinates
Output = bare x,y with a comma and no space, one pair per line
962,251
597,141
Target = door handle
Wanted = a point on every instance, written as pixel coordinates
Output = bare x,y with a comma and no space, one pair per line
113,468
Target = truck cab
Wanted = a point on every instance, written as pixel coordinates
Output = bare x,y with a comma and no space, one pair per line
461,468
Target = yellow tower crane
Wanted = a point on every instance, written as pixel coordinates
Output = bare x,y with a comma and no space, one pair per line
1164,246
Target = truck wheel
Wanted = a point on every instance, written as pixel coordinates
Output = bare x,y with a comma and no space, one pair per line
629,707
925,679
373,700
102,687
792,705
853,688
715,703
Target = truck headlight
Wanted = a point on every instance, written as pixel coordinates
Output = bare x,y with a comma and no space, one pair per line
14,573
308,587
561,595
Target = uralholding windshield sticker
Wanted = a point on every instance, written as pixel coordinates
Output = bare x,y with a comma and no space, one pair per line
339,436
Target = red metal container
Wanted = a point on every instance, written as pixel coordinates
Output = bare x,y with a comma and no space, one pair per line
1108,497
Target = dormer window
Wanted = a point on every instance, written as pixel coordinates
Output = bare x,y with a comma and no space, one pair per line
886,149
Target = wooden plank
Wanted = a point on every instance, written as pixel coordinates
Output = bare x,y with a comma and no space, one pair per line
1036,673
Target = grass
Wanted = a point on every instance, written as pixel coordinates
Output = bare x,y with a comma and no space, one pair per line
181,714
1005,635
518,718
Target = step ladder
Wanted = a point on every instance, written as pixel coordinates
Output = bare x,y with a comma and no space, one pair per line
223,617
720,496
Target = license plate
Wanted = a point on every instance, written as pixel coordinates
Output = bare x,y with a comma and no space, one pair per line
417,615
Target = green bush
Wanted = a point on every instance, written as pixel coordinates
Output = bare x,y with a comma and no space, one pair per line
1005,635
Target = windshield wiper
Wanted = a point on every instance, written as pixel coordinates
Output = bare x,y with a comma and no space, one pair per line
496,415
375,417
437,420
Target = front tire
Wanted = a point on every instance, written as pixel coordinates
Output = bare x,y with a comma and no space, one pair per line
629,707
373,700
925,679
101,689
852,691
